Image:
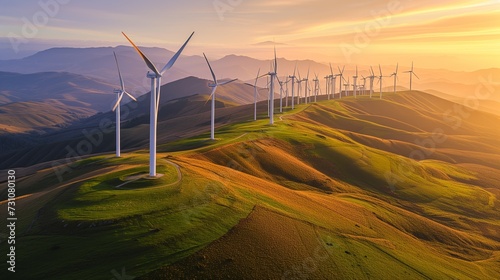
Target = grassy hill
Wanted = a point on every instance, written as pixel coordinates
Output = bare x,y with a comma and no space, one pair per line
340,189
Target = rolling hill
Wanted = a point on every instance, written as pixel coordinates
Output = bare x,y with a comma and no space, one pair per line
184,99
41,102
341,189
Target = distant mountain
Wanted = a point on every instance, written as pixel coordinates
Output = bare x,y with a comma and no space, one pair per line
49,100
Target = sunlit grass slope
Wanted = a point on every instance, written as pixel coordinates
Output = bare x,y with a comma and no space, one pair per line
329,192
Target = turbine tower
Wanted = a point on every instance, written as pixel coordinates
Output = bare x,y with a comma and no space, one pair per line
212,96
411,74
119,95
155,77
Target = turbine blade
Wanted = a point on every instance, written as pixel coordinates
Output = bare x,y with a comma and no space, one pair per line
227,82
380,69
118,101
415,75
119,72
176,55
331,69
130,95
148,62
211,71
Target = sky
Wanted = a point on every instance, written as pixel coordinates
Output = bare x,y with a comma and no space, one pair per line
457,35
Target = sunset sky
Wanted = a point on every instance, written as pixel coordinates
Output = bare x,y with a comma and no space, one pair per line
461,35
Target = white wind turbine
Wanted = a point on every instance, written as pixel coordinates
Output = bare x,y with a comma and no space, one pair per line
287,80
299,87
281,93
119,95
212,96
155,77
307,87
355,82
411,74
380,79
256,94
273,74
395,74
341,75
333,78
293,86
328,81
372,78
346,86
315,80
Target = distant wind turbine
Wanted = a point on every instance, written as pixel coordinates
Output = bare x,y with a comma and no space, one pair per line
372,78
273,74
380,80
293,86
155,77
355,82
256,94
346,86
395,74
212,96
341,75
316,86
333,81
299,88
328,81
119,95
411,74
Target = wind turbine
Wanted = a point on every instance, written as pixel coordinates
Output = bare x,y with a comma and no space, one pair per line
328,82
333,81
380,80
255,94
316,87
212,95
341,75
281,95
411,74
307,87
372,78
395,74
286,90
346,86
293,86
355,81
119,95
272,75
299,87
155,77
